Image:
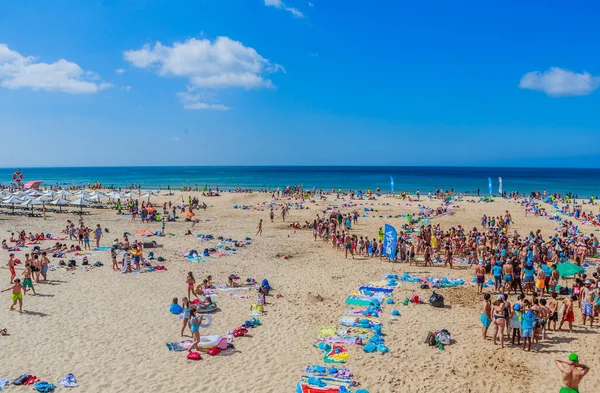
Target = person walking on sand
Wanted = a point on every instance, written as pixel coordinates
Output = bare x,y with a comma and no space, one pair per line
348,245
568,314
259,232
98,235
17,296
11,267
572,373
587,308
191,283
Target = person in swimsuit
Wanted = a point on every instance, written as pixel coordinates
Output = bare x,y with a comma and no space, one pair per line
185,304
480,276
587,308
17,296
507,272
195,329
499,315
486,314
11,267
27,282
572,373
568,314
348,245
553,306
191,281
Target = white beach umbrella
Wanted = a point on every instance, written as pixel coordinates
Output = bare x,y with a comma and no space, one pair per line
31,202
44,198
33,193
12,200
80,202
128,195
60,203
94,198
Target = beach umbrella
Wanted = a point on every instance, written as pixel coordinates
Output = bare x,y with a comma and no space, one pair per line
143,232
188,214
80,202
569,269
12,200
44,198
4,193
33,193
150,209
60,203
128,195
147,195
63,194
32,184
31,202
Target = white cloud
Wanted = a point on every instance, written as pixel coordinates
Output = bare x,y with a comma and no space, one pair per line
175,139
193,102
219,64
17,71
120,71
281,5
311,5
128,88
557,82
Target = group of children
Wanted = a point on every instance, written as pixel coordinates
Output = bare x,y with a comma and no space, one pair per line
530,319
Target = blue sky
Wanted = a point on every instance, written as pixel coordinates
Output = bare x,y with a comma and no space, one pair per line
267,82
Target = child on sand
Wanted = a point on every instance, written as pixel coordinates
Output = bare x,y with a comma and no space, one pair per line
527,322
191,281
11,267
568,315
195,323
185,304
17,296
480,277
486,314
27,282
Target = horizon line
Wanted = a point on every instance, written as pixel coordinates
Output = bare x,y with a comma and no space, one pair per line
296,166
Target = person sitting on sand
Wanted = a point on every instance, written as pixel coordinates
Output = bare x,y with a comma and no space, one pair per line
572,373
4,245
17,296
209,282
231,282
206,302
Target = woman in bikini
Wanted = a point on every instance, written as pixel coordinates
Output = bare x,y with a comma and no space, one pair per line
499,314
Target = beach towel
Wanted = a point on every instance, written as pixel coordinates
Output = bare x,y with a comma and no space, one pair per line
220,287
349,340
44,387
3,383
69,381
102,249
327,331
179,346
197,259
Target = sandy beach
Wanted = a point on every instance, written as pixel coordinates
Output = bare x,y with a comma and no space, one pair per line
110,329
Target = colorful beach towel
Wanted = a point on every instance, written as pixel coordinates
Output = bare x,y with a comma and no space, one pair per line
179,346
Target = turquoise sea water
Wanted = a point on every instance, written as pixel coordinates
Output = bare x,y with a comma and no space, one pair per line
583,182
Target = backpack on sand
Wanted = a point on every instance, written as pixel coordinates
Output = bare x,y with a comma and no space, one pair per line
194,356
431,340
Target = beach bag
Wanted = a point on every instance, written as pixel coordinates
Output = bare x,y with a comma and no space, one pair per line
563,291
194,356
443,336
431,340
161,259
214,351
85,261
258,307
240,332
436,300
21,380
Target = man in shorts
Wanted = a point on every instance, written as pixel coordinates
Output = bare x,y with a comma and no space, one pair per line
572,373
17,296
587,301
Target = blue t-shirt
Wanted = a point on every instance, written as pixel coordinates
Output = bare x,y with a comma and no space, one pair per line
497,270
529,272
528,320
175,309
546,269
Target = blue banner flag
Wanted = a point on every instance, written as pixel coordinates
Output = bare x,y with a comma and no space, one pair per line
490,185
500,185
392,183
389,242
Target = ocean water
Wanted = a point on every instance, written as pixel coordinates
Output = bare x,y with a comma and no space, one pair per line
584,182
